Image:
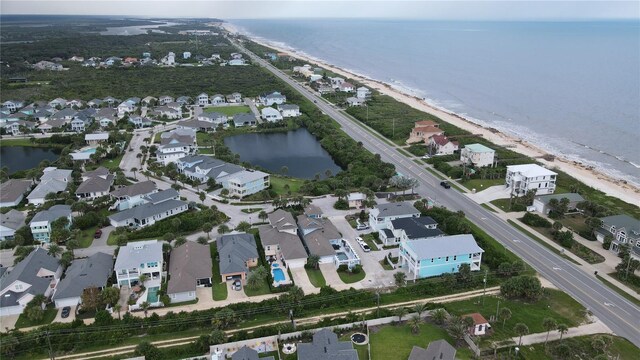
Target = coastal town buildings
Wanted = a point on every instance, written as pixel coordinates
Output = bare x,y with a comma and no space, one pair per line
89,272
10,222
237,254
12,192
441,145
176,144
53,181
477,155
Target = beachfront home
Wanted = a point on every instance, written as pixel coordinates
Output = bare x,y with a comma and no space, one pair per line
12,191
437,350
239,181
439,255
176,144
336,81
237,253
409,228
189,268
95,184
423,130
441,145
522,178
363,93
273,98
326,346
137,258
11,221
42,223
624,230
541,203
157,206
270,114
346,87
281,242
477,155
53,180
37,274
82,274
381,215
132,195
95,139
354,101
289,110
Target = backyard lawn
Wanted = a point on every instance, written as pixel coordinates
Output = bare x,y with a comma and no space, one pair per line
47,318
581,348
219,289
556,305
278,185
480,184
349,277
503,204
316,277
86,236
228,110
263,289
396,341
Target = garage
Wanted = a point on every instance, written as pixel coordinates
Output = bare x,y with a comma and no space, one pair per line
71,301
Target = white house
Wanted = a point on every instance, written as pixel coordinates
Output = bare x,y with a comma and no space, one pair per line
336,81
522,178
380,217
12,105
346,87
186,55
273,98
53,180
270,114
176,144
137,258
289,110
37,274
480,324
237,62
478,155
354,101
133,195
9,223
165,99
363,93
157,206
125,108
280,240
409,228
441,145
202,99
95,184
95,139
217,100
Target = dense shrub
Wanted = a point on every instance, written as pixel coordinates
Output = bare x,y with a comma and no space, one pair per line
190,222
523,286
535,220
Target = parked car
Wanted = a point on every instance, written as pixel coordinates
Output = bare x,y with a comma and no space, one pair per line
359,239
98,234
364,246
236,285
426,157
362,227
445,184
65,312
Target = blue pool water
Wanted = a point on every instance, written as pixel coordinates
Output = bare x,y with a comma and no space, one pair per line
342,256
274,265
152,296
89,151
278,274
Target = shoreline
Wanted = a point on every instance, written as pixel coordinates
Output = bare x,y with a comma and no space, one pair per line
586,174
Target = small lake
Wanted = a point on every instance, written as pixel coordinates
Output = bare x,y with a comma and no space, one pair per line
18,158
136,30
298,150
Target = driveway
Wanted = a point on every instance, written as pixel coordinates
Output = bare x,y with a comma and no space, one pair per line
70,318
8,322
331,277
489,194
234,296
301,279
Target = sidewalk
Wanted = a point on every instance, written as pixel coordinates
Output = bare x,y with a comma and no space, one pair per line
596,327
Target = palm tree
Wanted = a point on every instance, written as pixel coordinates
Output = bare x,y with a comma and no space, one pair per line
54,250
549,324
419,309
505,314
202,240
143,278
263,215
313,261
145,307
223,229
400,278
562,329
117,308
400,313
207,227
521,330
439,316
414,323
133,170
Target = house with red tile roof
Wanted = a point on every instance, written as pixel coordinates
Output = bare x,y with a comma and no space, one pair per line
480,324
441,145
423,130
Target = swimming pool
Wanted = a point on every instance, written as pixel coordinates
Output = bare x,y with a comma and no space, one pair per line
342,256
278,274
275,265
152,295
89,151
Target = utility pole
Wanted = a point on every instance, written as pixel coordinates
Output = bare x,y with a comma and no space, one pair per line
51,356
293,322
497,310
378,302
484,290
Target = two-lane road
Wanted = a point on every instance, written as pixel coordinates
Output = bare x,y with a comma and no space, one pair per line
618,313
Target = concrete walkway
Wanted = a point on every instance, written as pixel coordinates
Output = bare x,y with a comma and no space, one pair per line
596,327
301,279
489,194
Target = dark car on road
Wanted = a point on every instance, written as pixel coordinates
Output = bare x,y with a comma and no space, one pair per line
98,234
445,184
65,312
236,285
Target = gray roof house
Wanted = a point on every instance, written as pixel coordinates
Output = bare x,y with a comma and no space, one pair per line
53,180
624,229
380,216
95,184
247,353
37,274
541,203
132,195
93,271
136,258
154,207
280,239
437,350
190,267
236,253
317,234
41,224
12,191
10,222
326,346
244,119
409,228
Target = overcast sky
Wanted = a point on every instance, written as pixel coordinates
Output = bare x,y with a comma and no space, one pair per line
245,9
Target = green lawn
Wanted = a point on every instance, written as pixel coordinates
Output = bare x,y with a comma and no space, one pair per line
263,289
541,242
577,248
488,208
370,240
503,204
316,277
112,164
219,289
581,348
363,350
396,341
278,185
86,236
49,314
576,223
349,278
480,184
556,304
228,110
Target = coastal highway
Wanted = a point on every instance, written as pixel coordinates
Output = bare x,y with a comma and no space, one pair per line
618,313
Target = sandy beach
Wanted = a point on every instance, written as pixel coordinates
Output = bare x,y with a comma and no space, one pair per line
586,174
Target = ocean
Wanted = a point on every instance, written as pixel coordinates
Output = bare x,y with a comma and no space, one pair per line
571,88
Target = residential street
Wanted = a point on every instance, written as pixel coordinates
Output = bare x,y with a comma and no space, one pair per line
616,312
